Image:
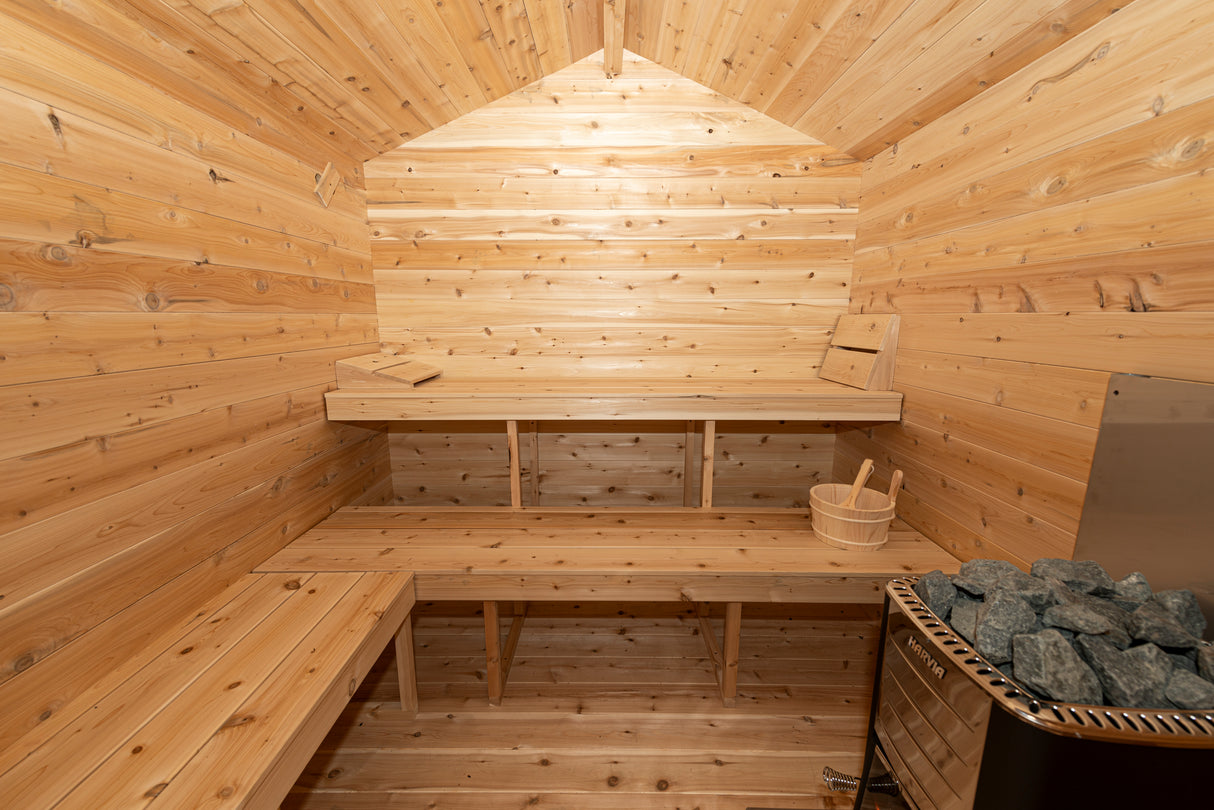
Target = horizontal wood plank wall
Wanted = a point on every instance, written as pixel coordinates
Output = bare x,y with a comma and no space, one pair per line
173,297
1052,231
629,228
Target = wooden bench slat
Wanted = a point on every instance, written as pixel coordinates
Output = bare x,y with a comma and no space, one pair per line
230,703
395,517
152,756
254,759
87,730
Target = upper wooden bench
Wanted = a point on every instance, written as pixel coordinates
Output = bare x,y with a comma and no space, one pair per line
852,385
225,707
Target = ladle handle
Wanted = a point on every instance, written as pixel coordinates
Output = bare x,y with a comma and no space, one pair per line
866,469
895,484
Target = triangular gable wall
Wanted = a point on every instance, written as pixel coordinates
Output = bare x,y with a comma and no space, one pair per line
638,227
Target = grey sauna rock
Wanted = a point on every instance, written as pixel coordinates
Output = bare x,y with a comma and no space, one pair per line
1184,661
1205,662
1060,592
1183,605
1081,576
937,592
1119,636
1154,623
964,617
1077,617
1131,590
976,576
1034,590
1000,618
1047,663
1188,691
1134,678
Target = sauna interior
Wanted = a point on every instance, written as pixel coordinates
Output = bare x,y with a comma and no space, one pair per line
566,206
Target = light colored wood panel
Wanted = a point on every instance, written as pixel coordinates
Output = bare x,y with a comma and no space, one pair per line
653,367
577,224
40,67
428,313
1055,498
71,147
549,33
964,500
41,277
747,161
940,85
41,208
511,33
221,545
1176,142
508,800
1114,74
68,477
553,192
849,29
532,130
1167,279
1107,224
1061,447
38,556
1070,394
648,772
470,32
122,41
41,416
910,37
1162,344
807,344
47,346
825,280
740,56
608,254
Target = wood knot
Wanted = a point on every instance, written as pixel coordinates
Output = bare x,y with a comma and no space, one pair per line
155,790
292,585
612,781
152,301
56,253
8,298
24,662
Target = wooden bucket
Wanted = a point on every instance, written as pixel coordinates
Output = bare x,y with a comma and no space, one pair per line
863,528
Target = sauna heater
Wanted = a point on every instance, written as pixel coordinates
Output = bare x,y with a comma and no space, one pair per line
948,732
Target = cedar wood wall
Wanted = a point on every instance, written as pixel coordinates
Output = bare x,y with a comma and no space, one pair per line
631,229
169,326
172,300
1050,231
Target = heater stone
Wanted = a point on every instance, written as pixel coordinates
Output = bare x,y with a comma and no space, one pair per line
1077,617
1034,590
1001,617
1183,605
964,618
1205,661
1082,576
1189,691
976,576
1128,677
938,593
1154,623
1047,663
1131,590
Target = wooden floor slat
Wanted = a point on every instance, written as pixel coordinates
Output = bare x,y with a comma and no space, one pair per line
607,708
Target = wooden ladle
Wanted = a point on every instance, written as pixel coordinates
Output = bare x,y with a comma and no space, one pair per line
895,484
866,469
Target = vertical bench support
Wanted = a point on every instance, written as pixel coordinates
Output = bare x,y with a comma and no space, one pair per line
498,658
406,667
706,460
724,656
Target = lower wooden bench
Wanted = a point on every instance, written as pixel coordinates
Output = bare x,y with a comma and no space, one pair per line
516,555
223,710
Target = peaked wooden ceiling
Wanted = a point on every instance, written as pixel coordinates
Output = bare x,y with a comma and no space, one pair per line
355,78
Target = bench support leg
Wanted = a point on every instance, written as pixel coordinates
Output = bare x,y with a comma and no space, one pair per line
724,657
497,658
406,667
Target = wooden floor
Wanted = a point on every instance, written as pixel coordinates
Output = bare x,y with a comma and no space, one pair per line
608,707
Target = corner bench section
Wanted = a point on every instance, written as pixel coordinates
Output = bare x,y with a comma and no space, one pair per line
648,554
226,708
